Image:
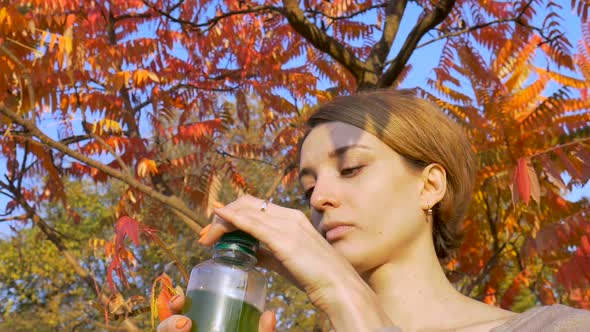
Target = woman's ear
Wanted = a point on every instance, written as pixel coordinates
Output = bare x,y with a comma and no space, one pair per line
434,186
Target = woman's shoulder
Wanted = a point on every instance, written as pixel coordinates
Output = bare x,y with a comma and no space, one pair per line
553,318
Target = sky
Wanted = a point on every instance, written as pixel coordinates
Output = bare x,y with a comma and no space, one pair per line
423,60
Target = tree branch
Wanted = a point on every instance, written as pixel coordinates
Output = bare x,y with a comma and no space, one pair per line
483,25
486,270
467,29
55,238
227,154
491,224
120,161
23,168
560,146
393,16
14,218
345,17
321,40
212,22
427,22
107,147
172,201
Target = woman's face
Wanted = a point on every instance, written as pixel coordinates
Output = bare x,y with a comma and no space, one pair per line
364,198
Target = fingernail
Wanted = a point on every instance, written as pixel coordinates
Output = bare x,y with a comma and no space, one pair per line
174,298
205,230
203,237
274,319
181,322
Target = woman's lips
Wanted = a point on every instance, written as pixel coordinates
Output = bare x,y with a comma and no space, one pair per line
338,232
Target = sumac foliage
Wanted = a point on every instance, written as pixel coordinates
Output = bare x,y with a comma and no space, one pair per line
179,99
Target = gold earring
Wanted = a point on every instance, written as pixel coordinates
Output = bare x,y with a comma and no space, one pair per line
429,210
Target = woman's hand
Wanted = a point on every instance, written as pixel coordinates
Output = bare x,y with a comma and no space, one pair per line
179,323
295,248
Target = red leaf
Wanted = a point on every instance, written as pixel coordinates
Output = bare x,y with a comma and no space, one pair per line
521,182
552,173
127,226
568,165
585,246
93,16
242,108
195,131
534,181
75,216
10,207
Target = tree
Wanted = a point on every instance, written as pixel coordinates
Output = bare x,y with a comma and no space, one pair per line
537,242
152,93
40,290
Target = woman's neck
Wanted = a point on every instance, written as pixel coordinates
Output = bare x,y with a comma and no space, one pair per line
414,290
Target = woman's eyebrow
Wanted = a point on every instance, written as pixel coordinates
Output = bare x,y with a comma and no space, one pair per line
343,149
338,152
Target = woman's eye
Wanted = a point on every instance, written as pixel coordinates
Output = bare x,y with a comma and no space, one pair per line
351,171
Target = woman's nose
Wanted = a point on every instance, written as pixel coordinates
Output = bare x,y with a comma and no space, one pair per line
325,195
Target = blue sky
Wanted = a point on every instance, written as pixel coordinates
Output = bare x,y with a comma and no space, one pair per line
423,60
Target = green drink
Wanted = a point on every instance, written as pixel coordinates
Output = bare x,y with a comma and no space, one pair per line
227,293
211,312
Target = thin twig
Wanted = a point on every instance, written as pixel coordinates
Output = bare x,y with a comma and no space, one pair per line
227,154
345,17
172,256
14,218
485,271
212,22
468,29
577,141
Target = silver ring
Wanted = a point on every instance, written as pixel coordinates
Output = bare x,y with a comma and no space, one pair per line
264,205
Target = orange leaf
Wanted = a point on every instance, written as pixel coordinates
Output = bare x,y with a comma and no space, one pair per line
163,300
159,304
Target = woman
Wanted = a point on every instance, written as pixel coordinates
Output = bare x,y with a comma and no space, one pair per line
389,178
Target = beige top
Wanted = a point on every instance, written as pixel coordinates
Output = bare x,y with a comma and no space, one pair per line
554,318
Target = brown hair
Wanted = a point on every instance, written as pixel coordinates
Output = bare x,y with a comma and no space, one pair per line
422,134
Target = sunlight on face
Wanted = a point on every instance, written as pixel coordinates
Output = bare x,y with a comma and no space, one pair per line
364,197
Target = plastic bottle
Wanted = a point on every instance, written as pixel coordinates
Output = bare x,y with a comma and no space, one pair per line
227,293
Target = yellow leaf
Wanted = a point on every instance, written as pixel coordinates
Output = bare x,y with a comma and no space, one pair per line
139,76
68,38
153,77
111,126
31,26
3,15
146,167
52,42
106,126
121,79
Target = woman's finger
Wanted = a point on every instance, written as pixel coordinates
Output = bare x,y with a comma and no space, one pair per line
267,322
175,323
215,230
176,303
228,219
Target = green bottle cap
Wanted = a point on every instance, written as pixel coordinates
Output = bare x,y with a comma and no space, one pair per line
237,240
